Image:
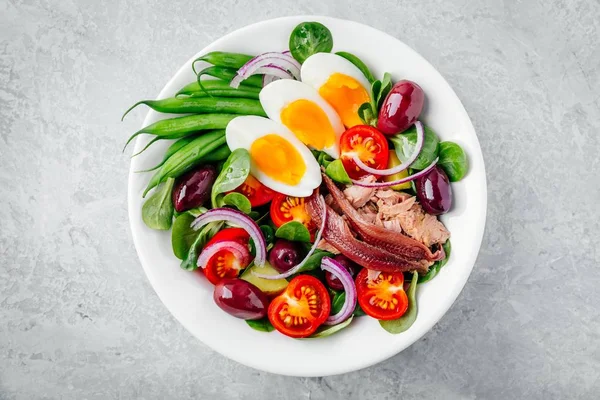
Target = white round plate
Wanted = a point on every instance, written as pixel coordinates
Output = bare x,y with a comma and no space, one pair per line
189,297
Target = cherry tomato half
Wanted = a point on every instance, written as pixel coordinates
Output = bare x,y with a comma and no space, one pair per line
384,297
369,144
256,192
287,208
224,264
301,308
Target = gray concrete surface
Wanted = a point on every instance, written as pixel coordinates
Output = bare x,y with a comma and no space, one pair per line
78,319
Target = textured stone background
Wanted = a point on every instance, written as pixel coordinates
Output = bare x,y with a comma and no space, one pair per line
78,319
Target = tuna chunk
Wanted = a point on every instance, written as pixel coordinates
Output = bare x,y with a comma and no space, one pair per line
358,196
409,217
324,245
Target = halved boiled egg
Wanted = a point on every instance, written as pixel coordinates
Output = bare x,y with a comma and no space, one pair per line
278,159
300,108
339,82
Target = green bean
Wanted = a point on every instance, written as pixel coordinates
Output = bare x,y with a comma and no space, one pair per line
221,90
223,59
174,148
358,63
227,74
189,155
175,128
198,105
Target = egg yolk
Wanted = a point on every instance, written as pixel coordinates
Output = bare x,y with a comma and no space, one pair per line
346,95
309,123
278,159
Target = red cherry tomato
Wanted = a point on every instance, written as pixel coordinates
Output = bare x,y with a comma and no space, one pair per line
384,297
256,192
224,264
370,146
287,208
301,308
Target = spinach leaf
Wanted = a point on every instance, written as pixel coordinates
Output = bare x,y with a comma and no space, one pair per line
261,325
404,322
336,171
157,211
322,158
309,38
404,145
294,231
435,268
194,212
234,173
182,235
325,331
386,86
453,161
359,64
238,201
268,233
314,261
367,115
206,232
358,311
337,302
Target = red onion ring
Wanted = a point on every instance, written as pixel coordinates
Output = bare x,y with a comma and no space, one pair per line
391,171
280,65
239,250
240,219
297,267
330,265
399,181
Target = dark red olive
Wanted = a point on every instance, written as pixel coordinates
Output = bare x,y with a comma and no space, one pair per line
401,108
332,281
285,255
241,299
193,188
434,191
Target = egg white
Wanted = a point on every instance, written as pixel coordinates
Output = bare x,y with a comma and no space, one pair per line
277,95
317,69
242,131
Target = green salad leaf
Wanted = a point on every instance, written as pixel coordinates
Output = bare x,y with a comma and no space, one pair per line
358,63
157,211
336,171
324,330
268,233
404,322
322,158
404,145
453,161
204,235
294,231
238,201
182,235
367,115
233,174
261,325
309,38
435,268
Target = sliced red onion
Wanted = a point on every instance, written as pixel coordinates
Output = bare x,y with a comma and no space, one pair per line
240,219
269,69
279,65
399,168
396,182
268,79
239,250
338,270
297,267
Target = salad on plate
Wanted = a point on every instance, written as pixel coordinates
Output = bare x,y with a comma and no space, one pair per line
303,188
